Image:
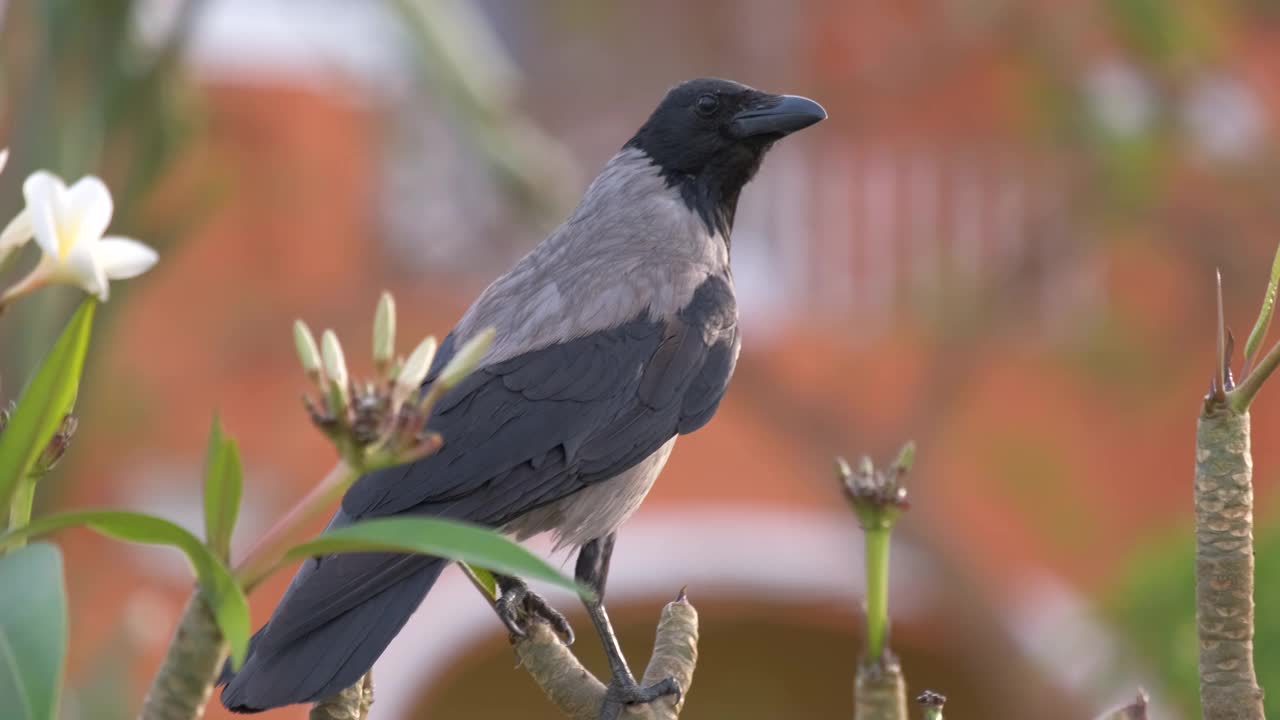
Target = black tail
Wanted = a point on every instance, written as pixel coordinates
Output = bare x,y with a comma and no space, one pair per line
335,620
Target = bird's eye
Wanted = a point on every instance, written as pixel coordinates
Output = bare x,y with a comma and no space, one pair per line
707,104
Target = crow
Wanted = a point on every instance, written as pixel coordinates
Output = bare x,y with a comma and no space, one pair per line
615,335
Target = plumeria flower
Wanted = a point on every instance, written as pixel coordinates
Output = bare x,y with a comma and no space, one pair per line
68,224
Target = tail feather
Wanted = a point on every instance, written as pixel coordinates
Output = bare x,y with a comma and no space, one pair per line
330,656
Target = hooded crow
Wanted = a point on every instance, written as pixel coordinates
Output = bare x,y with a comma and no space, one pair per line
615,335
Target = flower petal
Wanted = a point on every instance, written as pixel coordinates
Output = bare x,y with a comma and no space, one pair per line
4,158
15,234
89,209
46,201
81,267
122,258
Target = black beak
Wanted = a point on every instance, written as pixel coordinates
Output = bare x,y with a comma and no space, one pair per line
788,114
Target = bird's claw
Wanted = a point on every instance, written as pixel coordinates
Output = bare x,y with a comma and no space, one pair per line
633,693
517,606
623,691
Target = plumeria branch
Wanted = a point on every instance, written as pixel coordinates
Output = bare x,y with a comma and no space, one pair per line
576,692
1223,501
878,499
1135,710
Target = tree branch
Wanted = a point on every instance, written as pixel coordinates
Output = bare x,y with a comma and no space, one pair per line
350,704
182,685
580,696
1136,710
1224,565
880,691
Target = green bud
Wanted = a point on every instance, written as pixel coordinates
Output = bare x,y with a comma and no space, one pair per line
906,457
384,333
335,364
466,359
416,367
308,354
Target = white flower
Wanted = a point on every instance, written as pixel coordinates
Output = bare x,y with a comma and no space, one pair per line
68,225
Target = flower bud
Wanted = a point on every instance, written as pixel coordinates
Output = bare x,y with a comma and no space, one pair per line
335,365
308,354
416,367
466,359
384,334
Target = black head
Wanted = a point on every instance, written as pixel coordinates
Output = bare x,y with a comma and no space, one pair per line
708,137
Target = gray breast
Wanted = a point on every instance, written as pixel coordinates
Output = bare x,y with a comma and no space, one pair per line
598,509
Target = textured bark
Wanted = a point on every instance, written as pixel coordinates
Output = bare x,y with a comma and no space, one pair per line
880,692
675,655
183,683
580,696
1224,566
350,704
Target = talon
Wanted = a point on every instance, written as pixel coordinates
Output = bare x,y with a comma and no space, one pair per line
627,692
517,605
537,607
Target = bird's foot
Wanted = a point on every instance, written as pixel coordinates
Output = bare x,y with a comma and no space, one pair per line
624,690
517,606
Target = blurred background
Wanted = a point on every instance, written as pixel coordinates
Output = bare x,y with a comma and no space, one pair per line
1001,245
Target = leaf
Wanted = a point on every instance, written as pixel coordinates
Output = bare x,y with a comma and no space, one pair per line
472,544
483,579
224,595
223,483
1264,313
33,632
44,402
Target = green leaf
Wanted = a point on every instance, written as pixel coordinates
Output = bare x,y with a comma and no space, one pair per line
33,632
42,404
472,544
224,595
1264,313
483,578
223,482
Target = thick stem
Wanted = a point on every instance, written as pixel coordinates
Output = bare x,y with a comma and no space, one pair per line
877,559
349,704
270,550
552,665
1224,566
1136,710
580,696
881,690
675,655
183,683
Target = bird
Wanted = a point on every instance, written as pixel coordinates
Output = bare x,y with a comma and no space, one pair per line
615,335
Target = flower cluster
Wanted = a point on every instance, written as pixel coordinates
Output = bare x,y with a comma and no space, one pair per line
380,421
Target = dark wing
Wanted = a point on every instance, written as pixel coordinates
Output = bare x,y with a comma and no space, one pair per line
535,428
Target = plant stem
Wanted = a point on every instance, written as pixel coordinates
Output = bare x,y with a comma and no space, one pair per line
184,681
349,704
880,692
24,496
1224,565
579,695
877,560
263,559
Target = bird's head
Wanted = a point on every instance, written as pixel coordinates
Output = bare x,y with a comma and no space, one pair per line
708,136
